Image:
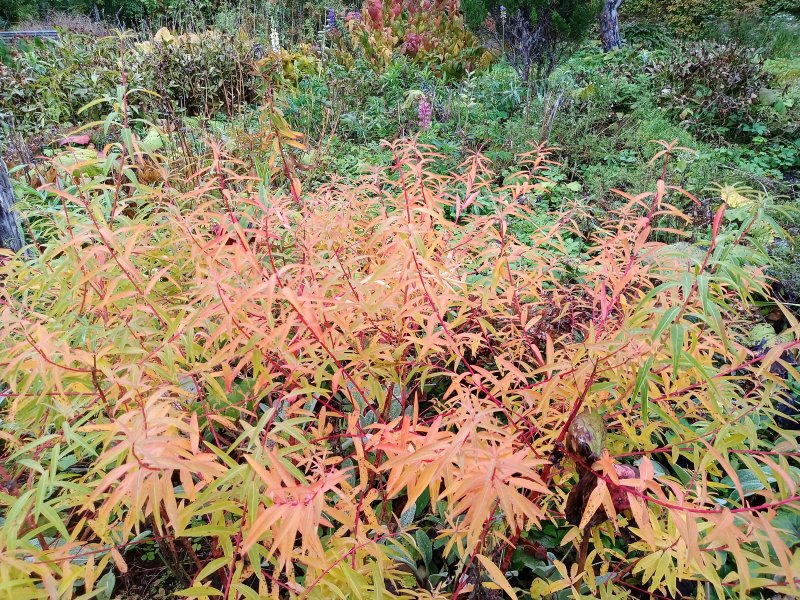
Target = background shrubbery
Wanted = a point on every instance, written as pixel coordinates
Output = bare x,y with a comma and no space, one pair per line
357,81
692,17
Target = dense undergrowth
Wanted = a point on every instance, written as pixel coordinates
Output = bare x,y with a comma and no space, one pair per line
253,349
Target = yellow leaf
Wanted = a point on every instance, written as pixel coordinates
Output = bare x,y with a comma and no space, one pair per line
539,588
497,576
198,591
733,198
593,503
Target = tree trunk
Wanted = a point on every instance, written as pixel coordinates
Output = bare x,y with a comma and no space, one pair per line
10,236
609,25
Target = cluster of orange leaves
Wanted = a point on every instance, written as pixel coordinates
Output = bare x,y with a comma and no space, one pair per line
283,377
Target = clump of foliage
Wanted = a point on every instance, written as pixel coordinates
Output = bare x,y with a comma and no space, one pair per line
786,6
432,34
712,87
132,12
201,74
607,120
692,17
288,67
48,82
54,84
725,93
613,105
68,22
369,389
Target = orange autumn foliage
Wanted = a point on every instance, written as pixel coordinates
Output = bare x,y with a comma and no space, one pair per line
300,381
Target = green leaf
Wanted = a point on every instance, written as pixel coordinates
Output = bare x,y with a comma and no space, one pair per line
683,474
377,580
407,517
676,335
666,320
788,525
424,546
641,386
105,586
248,592
211,567
53,518
127,139
355,580
750,482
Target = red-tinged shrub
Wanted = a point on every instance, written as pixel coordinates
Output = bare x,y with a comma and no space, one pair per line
293,394
434,37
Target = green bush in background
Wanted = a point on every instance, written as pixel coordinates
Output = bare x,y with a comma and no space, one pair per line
693,17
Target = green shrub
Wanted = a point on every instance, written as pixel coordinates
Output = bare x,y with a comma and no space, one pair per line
647,34
712,88
776,36
47,82
691,17
199,74
787,6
